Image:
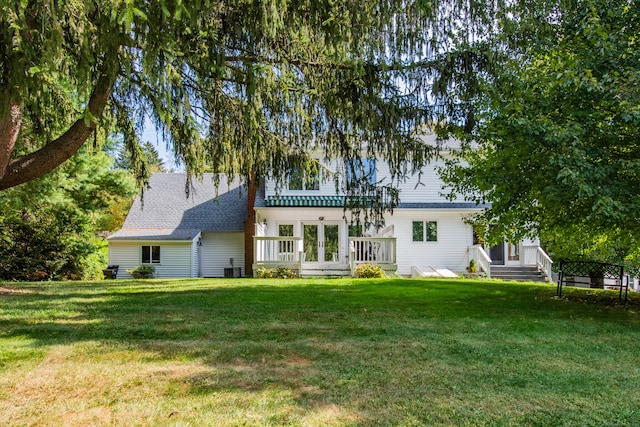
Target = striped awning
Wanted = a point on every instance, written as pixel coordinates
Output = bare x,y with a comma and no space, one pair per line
311,201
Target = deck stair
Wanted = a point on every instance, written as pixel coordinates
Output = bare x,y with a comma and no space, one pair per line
325,270
517,273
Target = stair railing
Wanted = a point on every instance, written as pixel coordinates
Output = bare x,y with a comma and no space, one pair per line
535,255
483,261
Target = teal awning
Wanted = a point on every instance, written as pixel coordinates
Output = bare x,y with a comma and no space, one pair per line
311,201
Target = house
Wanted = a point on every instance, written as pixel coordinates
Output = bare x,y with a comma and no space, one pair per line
196,236
304,226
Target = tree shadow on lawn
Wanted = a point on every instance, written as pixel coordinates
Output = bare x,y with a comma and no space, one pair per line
324,342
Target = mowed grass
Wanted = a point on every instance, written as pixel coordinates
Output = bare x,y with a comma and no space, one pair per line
316,353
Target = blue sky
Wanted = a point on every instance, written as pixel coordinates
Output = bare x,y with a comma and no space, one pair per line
150,134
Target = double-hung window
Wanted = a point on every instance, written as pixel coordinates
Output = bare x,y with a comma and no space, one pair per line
301,180
151,254
358,169
425,231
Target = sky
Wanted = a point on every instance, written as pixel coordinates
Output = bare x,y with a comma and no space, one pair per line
150,134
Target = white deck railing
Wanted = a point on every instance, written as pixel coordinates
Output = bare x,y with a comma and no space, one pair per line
378,250
276,249
535,255
483,261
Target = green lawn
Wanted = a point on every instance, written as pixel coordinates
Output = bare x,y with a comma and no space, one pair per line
317,352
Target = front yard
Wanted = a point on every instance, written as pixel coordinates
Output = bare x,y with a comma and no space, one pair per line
316,352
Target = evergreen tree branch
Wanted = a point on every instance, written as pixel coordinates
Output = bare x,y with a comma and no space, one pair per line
50,156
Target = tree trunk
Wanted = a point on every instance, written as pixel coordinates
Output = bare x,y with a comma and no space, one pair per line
10,123
34,165
249,225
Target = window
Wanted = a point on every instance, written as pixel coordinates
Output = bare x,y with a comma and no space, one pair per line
355,169
151,254
425,231
301,180
285,230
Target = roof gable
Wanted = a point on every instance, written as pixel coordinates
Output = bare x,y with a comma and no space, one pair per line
166,207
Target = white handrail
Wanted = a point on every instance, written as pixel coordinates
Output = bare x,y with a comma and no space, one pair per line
276,249
544,263
379,250
536,256
483,260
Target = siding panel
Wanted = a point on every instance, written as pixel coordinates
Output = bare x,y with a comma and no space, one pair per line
451,249
175,258
216,250
425,188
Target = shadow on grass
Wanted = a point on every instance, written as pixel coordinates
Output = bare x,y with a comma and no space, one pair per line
383,348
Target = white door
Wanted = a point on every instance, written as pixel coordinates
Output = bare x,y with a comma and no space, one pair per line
321,241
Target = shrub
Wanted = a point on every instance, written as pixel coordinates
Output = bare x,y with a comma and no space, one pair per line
143,271
275,273
472,268
369,271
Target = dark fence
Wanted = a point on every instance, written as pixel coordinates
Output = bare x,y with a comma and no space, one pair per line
590,274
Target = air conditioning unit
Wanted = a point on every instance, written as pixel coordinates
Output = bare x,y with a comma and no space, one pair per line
232,272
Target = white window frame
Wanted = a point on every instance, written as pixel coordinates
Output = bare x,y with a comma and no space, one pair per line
425,234
304,177
151,258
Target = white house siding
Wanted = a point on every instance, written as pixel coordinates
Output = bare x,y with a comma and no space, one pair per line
426,188
451,249
217,249
326,188
175,257
418,189
126,255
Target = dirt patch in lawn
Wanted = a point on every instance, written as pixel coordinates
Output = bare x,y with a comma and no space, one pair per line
10,291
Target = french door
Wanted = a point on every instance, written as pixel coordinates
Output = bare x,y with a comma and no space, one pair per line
321,242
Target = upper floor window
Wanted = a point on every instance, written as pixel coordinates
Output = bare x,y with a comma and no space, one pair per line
357,169
301,180
425,231
151,254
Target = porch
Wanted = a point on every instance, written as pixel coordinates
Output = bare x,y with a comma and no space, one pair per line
533,259
291,252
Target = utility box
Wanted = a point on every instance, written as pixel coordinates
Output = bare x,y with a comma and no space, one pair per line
232,272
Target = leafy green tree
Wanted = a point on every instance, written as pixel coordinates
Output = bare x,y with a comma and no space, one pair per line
49,226
557,147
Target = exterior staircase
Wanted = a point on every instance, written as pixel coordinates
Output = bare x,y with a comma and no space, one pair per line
325,270
517,273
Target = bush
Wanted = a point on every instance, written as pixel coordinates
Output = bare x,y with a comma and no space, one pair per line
368,271
143,271
275,273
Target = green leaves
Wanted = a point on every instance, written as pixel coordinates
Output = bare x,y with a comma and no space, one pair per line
556,133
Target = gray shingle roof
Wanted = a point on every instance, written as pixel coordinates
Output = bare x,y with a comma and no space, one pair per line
167,213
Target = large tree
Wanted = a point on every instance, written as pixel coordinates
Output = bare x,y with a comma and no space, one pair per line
557,147
241,87
238,87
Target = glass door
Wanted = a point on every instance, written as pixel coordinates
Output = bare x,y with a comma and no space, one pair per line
331,243
321,242
310,242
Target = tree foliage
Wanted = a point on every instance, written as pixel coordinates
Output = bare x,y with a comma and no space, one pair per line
48,227
235,87
557,147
